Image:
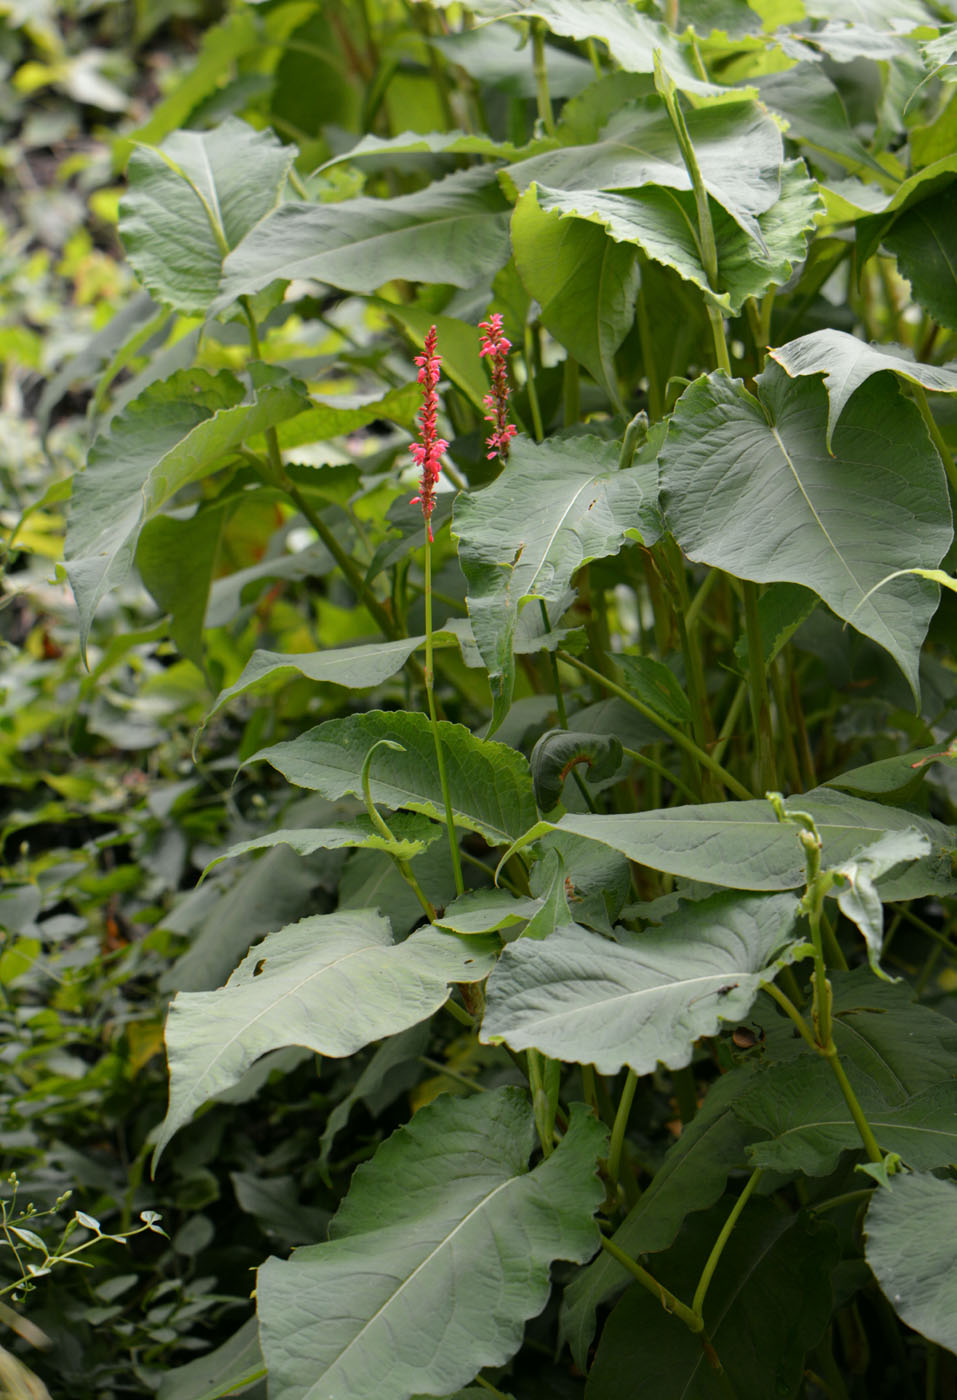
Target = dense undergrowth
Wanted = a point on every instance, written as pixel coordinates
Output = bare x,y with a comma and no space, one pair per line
568,1061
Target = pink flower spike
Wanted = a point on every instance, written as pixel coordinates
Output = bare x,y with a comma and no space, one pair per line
496,346
427,452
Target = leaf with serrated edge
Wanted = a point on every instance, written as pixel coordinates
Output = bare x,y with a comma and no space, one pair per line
332,982
578,996
437,1256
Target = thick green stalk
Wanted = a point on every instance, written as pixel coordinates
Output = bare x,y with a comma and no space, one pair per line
381,826
534,406
664,1295
850,1098
937,437
439,755
543,97
619,1126
758,687
707,1273
676,735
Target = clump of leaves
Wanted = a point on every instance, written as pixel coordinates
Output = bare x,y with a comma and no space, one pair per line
599,835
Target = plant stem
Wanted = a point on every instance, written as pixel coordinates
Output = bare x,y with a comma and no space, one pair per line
758,683
850,1098
937,437
619,1126
533,403
718,1248
439,754
666,1298
682,740
788,1007
545,113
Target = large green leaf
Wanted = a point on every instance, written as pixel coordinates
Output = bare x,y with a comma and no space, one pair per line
748,485
807,1124
662,223
902,1046
193,199
490,785
816,114
769,1301
358,667
232,1369
412,833
926,248
846,363
176,559
912,1248
556,505
436,1258
742,845
452,143
173,435
738,148
578,996
585,283
691,1178
332,982
632,38
455,230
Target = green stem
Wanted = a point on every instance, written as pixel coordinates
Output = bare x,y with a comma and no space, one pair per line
790,1010
675,734
717,1250
850,1098
666,1298
649,360
619,1126
920,398
661,771
571,392
453,1074
835,1202
347,565
381,826
716,321
533,403
758,685
492,1390
439,754
543,97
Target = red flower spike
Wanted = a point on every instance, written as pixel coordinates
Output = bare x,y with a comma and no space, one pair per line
496,346
427,452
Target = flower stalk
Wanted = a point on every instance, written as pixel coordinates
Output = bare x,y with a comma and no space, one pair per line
427,454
